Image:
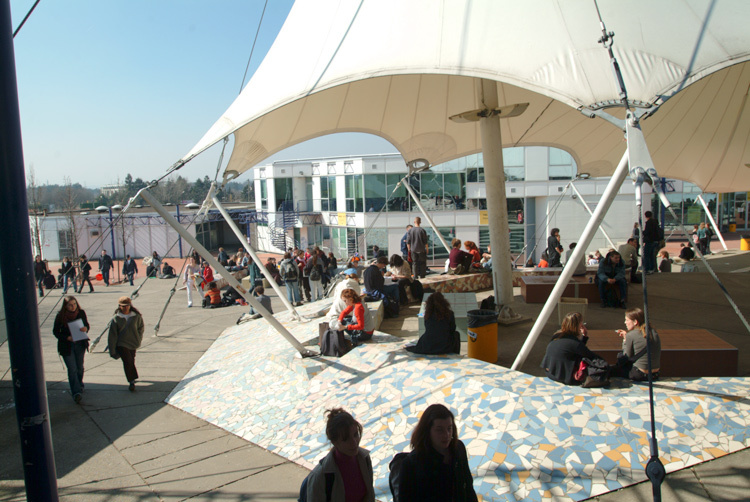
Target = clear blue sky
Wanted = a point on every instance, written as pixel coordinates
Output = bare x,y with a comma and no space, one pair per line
112,87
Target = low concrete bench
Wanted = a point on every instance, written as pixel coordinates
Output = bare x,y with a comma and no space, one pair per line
684,352
536,289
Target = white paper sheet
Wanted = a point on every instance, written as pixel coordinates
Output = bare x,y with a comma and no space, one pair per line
75,330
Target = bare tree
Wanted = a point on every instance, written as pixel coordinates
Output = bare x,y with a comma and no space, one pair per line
70,206
34,199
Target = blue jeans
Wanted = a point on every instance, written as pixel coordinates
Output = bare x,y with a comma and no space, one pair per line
292,292
391,290
105,276
74,363
65,284
40,285
649,257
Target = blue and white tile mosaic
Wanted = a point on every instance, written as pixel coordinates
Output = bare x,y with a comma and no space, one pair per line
527,437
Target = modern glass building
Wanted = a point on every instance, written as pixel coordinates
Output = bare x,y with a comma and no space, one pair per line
350,204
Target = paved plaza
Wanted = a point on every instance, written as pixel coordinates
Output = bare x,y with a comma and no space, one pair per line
119,445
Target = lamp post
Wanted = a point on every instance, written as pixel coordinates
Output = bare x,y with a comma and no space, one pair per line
112,234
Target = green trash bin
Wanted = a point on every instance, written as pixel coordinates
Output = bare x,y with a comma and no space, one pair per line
482,335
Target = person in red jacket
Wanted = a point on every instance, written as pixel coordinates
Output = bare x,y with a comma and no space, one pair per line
207,273
359,326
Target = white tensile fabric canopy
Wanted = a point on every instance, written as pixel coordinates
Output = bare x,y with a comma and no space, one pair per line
400,68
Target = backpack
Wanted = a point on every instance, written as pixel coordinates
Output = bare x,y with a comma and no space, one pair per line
288,271
417,290
333,343
329,488
315,274
394,478
488,303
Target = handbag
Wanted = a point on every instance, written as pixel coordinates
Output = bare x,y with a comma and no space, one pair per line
580,373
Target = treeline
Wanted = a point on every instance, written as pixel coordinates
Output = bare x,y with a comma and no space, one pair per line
175,190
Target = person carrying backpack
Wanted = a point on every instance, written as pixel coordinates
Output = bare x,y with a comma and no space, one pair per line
290,273
437,468
346,472
314,271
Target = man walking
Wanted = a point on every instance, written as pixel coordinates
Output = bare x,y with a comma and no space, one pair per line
417,245
105,264
129,268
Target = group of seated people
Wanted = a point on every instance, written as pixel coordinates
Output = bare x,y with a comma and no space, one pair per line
472,260
567,349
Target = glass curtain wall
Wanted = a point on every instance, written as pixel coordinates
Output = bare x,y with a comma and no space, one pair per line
561,165
377,237
328,193
284,194
354,193
263,194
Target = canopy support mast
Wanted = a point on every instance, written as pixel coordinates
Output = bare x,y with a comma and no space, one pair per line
580,197
424,213
578,252
713,222
225,273
254,256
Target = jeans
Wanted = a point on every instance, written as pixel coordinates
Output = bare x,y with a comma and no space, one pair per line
130,277
40,285
649,256
391,290
316,290
621,284
292,292
105,276
65,283
74,363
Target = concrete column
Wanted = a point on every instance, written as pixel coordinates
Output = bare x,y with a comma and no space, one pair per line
497,205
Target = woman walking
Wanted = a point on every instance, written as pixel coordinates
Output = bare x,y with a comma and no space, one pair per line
347,464
437,468
72,349
85,273
191,273
125,336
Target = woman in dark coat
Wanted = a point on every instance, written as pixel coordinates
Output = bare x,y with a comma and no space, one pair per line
440,335
566,350
437,468
72,351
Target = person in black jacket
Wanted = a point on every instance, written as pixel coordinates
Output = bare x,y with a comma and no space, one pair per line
67,273
40,272
71,351
129,268
651,237
440,335
105,263
375,283
554,248
85,272
566,350
437,468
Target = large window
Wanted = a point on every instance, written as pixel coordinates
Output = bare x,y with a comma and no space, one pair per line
328,193
437,251
284,194
561,165
514,164
399,199
377,237
375,192
354,193
263,195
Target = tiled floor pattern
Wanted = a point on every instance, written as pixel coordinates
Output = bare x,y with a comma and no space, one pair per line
527,437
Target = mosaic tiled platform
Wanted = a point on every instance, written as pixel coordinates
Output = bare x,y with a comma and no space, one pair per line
458,283
527,437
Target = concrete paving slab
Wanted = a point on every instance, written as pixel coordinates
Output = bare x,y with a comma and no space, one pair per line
157,448
280,484
727,478
681,486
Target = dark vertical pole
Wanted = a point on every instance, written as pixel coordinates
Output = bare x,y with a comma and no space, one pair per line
24,343
112,235
179,239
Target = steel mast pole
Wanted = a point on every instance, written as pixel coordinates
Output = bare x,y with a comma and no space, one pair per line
591,213
19,290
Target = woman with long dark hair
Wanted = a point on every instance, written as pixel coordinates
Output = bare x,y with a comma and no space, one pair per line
400,271
71,350
437,468
347,468
440,335
566,350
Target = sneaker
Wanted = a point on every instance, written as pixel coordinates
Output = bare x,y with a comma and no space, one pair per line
190,305
77,398
131,387
256,316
